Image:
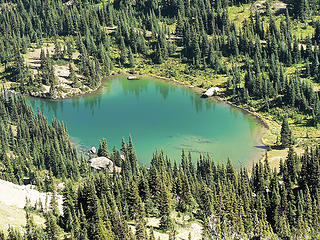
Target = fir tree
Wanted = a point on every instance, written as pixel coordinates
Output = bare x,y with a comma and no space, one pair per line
286,135
103,149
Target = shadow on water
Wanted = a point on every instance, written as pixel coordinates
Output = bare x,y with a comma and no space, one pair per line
262,147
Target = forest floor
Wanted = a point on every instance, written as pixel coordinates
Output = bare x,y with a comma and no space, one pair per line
183,227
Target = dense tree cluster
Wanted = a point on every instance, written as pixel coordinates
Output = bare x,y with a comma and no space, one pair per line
231,204
116,32
32,148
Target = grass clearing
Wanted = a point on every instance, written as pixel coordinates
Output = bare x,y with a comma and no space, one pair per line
275,156
184,226
11,216
238,14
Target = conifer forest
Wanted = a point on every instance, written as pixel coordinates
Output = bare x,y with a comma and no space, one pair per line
262,55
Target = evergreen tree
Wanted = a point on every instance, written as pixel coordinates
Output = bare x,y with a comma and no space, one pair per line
164,207
131,58
52,228
286,135
136,208
103,149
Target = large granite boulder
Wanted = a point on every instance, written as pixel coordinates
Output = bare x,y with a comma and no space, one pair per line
103,163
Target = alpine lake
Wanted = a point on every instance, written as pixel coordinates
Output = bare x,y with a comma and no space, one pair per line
158,115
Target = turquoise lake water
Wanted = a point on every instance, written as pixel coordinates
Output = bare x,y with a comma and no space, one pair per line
157,115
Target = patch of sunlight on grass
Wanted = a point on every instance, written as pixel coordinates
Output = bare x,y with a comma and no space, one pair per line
238,14
15,217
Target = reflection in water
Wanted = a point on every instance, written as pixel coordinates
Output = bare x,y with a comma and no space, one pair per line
253,127
159,116
75,103
129,88
93,102
44,104
163,90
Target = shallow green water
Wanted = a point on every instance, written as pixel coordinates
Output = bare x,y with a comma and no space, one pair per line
157,115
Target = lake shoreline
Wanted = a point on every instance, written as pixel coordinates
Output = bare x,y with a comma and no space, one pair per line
217,98
195,88
258,156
